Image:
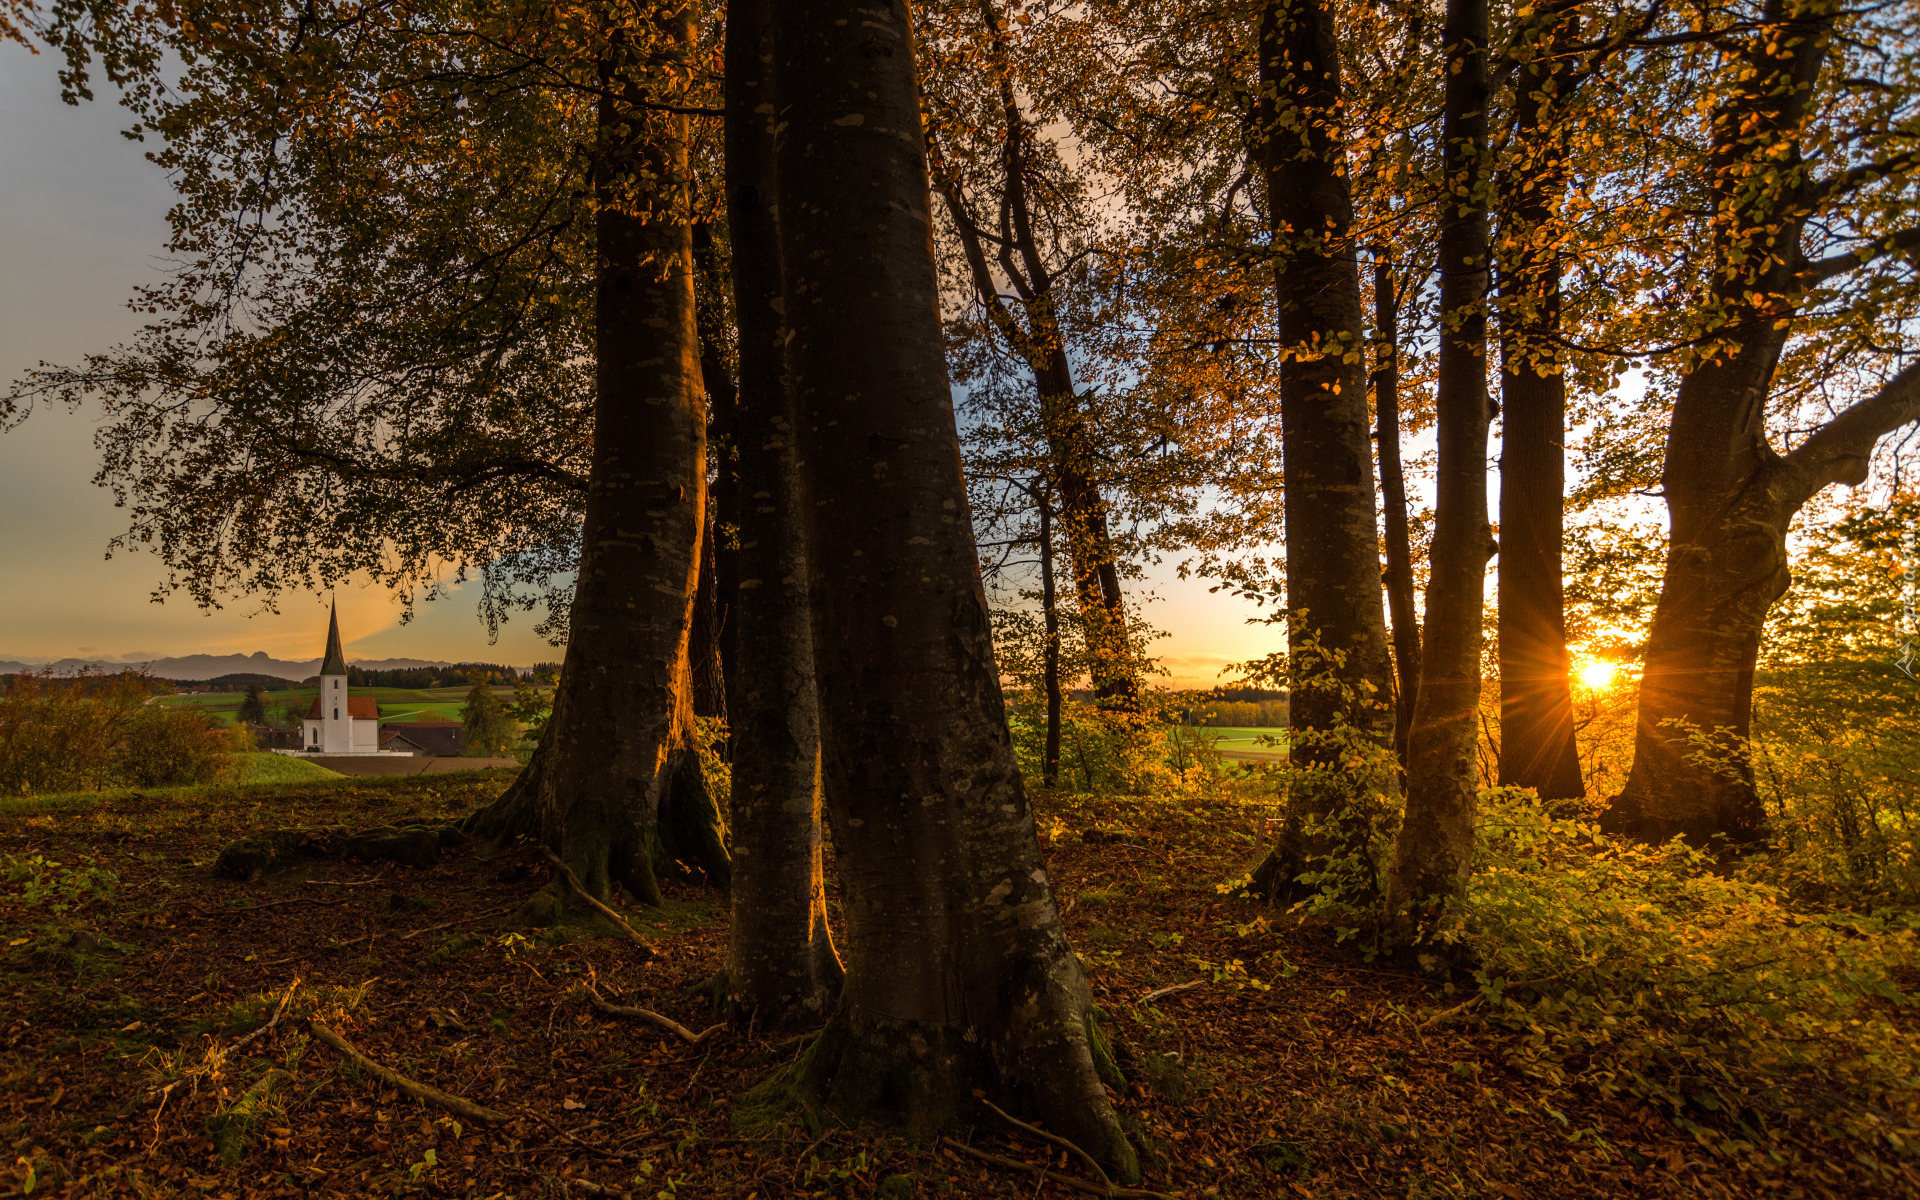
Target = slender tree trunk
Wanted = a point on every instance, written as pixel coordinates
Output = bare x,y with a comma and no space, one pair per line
1333,548
1393,492
1050,662
958,970
1536,701
781,963
1435,847
615,788
1070,466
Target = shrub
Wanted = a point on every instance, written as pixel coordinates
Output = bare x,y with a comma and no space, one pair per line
166,747
1643,969
65,735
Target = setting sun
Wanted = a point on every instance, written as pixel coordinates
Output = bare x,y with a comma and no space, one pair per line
1596,673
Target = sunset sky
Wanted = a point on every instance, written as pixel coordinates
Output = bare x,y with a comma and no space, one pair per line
82,222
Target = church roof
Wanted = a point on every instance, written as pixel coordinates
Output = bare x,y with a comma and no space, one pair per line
336,660
359,708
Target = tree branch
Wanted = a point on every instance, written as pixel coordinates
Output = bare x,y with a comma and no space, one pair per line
1840,450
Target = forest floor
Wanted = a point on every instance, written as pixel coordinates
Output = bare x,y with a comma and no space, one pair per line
131,972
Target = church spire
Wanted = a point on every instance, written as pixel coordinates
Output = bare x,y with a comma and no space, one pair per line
336,660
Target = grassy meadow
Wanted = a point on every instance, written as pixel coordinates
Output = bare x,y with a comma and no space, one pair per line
396,704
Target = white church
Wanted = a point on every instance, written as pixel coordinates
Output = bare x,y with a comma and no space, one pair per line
338,723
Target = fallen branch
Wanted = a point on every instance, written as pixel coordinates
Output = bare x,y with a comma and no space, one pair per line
1044,1136
619,921
268,1027
644,1014
1157,993
349,883
1072,1181
419,1091
498,912
589,1147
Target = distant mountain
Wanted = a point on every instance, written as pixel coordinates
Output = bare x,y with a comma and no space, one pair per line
209,666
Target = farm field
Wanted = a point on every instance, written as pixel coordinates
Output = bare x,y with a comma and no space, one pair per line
419,704
1245,737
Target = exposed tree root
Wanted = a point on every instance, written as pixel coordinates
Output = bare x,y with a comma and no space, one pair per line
1072,1181
642,1014
646,948
419,1091
1044,1136
414,845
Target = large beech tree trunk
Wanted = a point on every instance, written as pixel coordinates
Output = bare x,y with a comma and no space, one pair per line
959,975
1333,548
1730,495
781,964
1435,847
615,788
1393,494
1536,701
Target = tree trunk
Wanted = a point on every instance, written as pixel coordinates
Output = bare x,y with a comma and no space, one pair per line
1536,702
1435,847
958,970
615,788
1069,464
1393,493
1730,496
781,964
1050,655
1333,548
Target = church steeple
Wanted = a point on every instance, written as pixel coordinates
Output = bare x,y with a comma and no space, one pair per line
336,660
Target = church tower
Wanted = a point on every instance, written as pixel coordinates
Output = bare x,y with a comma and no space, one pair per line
336,725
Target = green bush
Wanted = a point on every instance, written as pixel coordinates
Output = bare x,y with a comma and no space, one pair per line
1647,970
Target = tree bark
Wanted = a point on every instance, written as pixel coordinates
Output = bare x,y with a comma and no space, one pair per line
1050,654
1435,847
958,970
1536,702
1393,493
615,788
781,964
1730,495
1333,548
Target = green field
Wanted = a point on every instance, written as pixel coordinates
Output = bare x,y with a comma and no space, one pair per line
1244,737
415,704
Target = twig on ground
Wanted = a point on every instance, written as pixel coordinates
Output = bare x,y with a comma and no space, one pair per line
346,883
587,1146
268,1027
1157,993
1043,1135
201,914
580,890
419,1091
1072,1181
667,1023
498,912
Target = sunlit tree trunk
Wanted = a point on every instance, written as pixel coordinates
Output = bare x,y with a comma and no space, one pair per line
1730,495
1435,846
959,975
1333,547
781,964
616,788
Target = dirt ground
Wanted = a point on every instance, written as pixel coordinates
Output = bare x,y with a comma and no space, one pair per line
125,999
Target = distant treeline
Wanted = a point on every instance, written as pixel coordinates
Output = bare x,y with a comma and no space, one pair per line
457,675
1230,707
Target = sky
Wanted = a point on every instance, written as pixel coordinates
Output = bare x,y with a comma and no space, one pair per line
82,223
